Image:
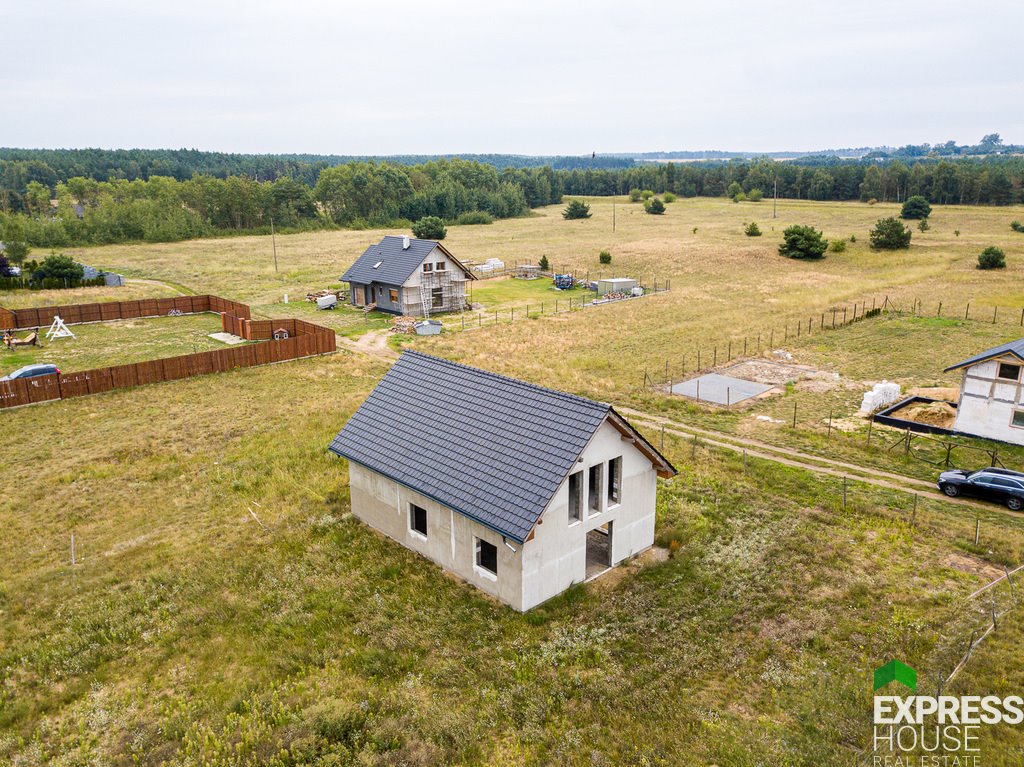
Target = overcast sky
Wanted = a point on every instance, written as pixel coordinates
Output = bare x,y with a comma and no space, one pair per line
530,77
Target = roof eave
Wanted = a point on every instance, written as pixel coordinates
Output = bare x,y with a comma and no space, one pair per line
979,360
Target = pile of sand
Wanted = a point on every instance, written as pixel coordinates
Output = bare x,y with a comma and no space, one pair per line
940,414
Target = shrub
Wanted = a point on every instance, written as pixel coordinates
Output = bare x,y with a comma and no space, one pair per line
872,201
429,228
576,209
956,232
635,195
655,207
838,246
668,197
474,217
646,194
695,230
543,264
1017,226
604,257
853,238
60,267
755,195
5,267
752,230
740,197
802,242
923,225
890,234
916,207
992,258
734,190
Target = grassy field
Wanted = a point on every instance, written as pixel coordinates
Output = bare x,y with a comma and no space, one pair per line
120,342
189,633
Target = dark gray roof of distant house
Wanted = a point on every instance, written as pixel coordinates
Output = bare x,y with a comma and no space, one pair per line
492,448
396,264
1015,348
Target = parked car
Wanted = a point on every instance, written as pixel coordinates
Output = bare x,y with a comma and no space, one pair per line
1001,485
31,371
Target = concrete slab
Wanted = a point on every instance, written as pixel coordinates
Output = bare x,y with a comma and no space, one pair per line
227,338
719,389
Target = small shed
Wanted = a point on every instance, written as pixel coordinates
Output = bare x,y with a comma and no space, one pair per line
527,271
615,285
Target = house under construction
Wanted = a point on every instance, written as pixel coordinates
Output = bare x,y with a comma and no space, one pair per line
404,275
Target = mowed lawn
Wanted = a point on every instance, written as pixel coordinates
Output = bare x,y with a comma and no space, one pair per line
118,342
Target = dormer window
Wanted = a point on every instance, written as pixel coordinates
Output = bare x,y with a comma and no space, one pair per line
428,267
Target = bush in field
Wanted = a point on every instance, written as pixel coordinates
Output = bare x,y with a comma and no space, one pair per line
890,234
430,228
60,267
576,209
916,207
646,194
472,217
802,242
668,197
635,195
1017,226
543,264
992,258
734,191
838,246
752,230
872,201
853,238
923,225
604,257
655,207
16,251
755,195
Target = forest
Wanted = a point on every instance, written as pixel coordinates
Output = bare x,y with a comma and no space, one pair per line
96,197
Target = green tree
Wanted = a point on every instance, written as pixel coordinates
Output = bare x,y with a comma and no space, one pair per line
752,230
755,195
543,264
655,207
802,242
890,234
16,251
992,258
430,228
734,190
916,207
576,209
60,267
635,195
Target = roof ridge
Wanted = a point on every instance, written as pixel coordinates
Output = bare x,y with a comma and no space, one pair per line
509,379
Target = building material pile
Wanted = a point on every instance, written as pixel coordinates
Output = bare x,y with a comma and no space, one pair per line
404,324
341,295
941,414
881,395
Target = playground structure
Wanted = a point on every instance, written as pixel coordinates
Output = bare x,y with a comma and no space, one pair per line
10,340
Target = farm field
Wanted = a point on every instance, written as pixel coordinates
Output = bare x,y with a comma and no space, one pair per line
119,342
225,608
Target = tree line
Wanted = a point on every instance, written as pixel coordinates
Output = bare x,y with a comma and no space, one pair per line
39,207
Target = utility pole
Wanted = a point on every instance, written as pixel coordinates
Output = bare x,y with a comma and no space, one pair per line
273,241
613,216
775,200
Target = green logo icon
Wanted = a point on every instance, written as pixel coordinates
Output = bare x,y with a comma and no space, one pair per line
894,671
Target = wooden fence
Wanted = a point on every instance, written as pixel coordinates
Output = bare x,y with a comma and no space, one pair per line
76,314
304,339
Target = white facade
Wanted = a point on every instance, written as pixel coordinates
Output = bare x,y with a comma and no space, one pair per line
554,556
990,400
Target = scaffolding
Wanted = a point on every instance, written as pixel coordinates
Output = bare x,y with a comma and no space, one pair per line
440,293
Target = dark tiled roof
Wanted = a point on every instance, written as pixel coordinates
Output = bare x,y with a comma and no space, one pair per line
1016,348
396,264
492,448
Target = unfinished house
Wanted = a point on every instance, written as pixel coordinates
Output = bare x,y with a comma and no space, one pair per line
404,275
520,490
991,404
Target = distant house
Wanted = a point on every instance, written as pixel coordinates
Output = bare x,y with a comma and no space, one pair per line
520,490
404,275
991,401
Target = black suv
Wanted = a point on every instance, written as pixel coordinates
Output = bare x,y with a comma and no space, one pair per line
1000,485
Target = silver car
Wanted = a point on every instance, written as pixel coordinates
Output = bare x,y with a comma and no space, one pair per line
31,371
